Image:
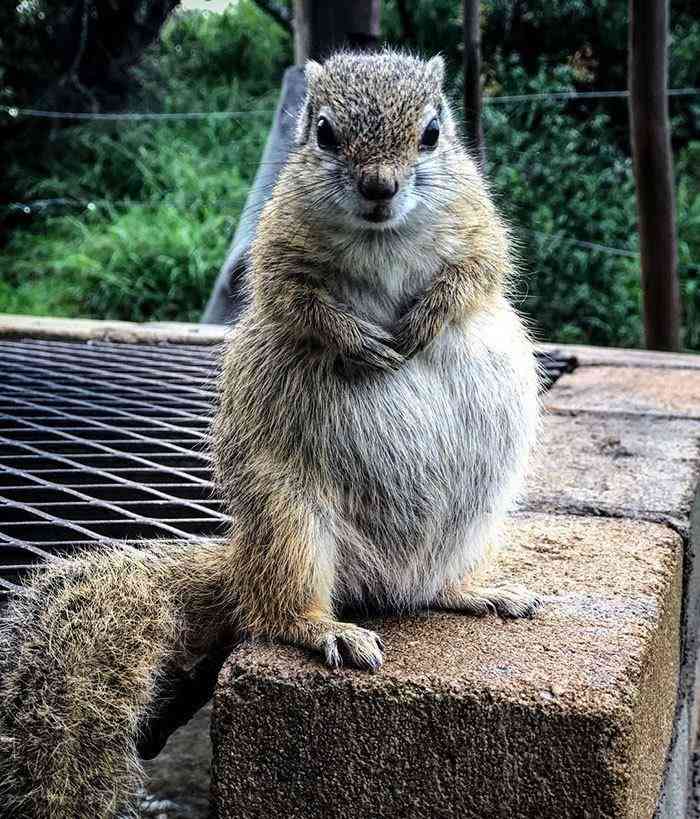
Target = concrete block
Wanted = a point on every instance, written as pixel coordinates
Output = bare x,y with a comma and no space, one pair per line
567,715
602,463
624,441
667,392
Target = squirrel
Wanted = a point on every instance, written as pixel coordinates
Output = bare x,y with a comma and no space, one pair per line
378,401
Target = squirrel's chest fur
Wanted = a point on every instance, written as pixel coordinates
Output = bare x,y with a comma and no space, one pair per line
406,471
377,276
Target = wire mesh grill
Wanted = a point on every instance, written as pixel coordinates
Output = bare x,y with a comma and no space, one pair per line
105,442
102,442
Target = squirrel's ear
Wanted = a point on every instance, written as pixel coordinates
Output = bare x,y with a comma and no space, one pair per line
312,71
435,70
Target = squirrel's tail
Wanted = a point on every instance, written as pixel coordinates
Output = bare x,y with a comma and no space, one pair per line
82,653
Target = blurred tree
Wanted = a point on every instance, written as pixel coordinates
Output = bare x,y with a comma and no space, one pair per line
653,170
281,13
588,35
74,54
69,55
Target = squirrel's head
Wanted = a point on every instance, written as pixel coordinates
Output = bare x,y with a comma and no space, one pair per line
377,133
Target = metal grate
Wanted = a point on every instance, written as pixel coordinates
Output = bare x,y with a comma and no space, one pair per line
105,442
102,442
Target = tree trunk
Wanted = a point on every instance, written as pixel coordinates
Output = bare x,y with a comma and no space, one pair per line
472,80
320,28
653,168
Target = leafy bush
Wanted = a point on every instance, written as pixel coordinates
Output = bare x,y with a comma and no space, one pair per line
150,206
568,189
563,183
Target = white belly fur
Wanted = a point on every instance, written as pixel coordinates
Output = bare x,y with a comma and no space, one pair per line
431,465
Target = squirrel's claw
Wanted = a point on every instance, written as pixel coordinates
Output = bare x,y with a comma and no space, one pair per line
378,349
356,647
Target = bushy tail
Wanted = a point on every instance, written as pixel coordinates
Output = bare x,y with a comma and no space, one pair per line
81,657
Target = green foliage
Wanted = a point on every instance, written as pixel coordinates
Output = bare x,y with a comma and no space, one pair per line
561,171
167,195
561,182
164,196
69,55
241,45
138,262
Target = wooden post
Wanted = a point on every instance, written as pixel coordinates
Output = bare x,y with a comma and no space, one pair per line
653,169
321,27
472,80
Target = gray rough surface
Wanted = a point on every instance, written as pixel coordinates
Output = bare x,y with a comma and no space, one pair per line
602,463
694,801
566,715
676,789
178,780
636,390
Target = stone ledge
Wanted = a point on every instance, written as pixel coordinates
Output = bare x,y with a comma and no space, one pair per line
127,332
567,715
623,357
628,390
639,466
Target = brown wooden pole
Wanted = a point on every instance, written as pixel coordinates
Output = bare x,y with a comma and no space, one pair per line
472,80
653,170
321,26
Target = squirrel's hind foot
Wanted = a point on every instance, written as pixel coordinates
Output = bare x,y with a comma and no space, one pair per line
504,601
354,646
339,643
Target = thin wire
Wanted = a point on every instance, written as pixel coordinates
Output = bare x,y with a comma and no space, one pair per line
133,116
612,251
574,95
27,207
597,247
185,115
92,204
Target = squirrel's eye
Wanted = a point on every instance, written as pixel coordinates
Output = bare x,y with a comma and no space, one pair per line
431,134
325,135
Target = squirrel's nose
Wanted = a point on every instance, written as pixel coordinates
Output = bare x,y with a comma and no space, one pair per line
375,187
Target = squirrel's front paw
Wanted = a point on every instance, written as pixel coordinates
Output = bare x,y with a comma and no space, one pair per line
340,643
377,349
412,334
354,646
505,601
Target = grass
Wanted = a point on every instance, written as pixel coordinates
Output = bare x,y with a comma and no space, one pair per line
149,207
153,258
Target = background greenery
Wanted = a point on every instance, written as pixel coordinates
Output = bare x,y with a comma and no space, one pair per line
137,215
